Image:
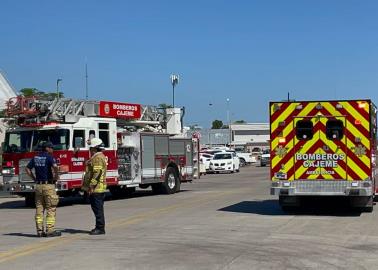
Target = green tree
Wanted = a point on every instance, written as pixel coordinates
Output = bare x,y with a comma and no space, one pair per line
217,124
30,92
164,106
240,122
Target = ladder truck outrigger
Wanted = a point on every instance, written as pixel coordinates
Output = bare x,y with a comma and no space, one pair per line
324,148
144,145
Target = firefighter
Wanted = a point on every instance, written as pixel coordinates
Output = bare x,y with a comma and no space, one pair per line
46,199
95,183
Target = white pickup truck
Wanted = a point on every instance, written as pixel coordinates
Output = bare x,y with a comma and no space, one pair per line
246,158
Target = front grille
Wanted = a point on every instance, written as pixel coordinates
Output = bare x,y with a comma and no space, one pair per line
320,186
216,164
222,164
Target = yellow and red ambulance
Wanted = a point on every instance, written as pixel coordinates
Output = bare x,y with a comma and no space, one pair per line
324,148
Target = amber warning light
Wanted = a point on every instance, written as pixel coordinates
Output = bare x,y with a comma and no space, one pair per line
362,105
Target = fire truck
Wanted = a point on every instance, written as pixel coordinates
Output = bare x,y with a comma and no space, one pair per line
324,148
144,145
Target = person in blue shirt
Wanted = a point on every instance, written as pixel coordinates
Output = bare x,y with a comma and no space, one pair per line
46,199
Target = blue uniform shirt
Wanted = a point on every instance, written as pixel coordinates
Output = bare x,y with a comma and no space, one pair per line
42,163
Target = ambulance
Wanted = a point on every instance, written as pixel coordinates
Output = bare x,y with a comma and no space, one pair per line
324,148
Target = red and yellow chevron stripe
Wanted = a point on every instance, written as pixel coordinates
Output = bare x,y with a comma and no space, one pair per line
321,157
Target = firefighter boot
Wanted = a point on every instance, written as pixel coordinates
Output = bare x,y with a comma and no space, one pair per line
97,231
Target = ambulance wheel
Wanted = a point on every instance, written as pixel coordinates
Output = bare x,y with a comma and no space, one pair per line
289,203
171,183
30,200
369,205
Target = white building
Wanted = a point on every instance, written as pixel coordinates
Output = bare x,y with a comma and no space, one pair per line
250,134
6,92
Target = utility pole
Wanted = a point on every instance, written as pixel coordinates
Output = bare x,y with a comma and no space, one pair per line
229,121
86,81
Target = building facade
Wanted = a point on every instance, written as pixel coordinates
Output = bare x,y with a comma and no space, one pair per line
247,136
250,134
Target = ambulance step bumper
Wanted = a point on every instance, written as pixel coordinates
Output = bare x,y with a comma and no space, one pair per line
321,187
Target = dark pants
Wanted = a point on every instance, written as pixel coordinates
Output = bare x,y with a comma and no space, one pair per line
97,204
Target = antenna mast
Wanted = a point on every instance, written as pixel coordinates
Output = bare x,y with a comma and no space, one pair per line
86,81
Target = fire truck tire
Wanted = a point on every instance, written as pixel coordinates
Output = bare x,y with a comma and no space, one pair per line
156,188
171,183
129,191
30,200
85,198
116,191
121,191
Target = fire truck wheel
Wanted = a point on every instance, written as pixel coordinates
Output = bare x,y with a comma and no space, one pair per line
171,182
30,200
116,191
129,191
85,198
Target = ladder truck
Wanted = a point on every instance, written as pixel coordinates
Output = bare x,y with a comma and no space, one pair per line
144,145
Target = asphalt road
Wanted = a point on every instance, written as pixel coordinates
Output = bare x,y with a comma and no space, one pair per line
217,222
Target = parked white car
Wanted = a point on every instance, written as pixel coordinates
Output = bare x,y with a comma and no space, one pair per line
205,160
225,162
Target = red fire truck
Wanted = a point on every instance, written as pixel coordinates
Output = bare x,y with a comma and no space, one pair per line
324,148
143,144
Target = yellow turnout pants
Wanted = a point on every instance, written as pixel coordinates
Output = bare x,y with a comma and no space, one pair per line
45,199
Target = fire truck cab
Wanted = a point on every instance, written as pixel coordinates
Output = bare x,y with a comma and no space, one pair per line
324,148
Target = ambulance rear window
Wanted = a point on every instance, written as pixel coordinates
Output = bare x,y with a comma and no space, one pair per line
334,129
304,130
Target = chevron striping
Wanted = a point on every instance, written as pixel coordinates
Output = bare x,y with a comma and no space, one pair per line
352,111
290,126
283,116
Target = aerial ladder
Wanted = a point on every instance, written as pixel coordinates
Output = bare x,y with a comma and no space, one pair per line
35,110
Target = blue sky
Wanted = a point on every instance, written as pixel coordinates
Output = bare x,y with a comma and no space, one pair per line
251,52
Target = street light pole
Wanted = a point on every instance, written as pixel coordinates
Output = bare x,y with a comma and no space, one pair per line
229,121
174,81
57,87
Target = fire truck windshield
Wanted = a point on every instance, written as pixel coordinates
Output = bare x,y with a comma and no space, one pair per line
32,140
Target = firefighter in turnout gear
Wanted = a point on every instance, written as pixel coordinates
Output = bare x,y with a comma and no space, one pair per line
95,183
46,199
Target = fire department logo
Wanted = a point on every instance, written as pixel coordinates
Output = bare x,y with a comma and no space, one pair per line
359,150
107,108
281,151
